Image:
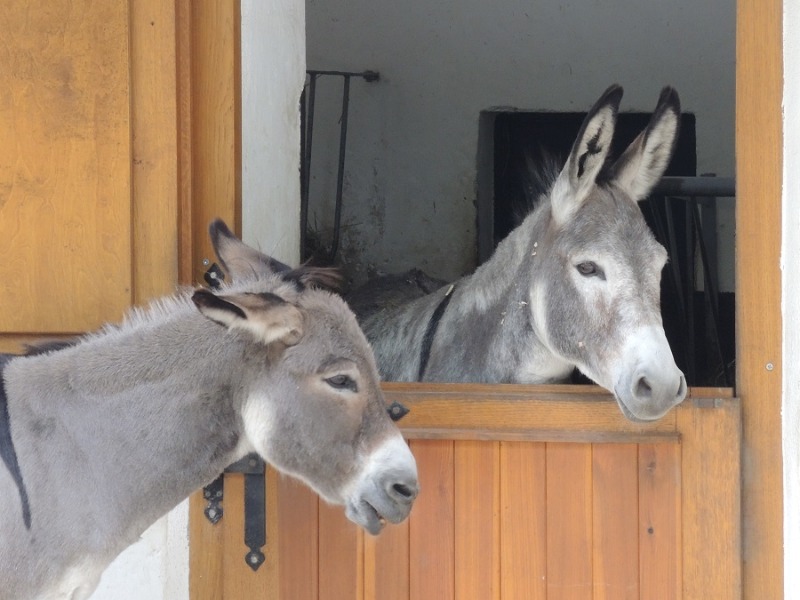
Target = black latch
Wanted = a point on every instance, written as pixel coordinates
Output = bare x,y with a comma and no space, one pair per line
397,411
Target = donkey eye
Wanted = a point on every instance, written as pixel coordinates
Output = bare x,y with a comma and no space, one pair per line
342,382
590,269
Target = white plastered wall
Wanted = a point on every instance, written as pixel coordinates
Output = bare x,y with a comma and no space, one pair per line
791,298
412,144
273,73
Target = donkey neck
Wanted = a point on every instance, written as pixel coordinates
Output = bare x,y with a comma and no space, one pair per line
136,414
489,327
509,271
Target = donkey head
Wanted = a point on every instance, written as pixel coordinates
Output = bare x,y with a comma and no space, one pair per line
311,401
599,308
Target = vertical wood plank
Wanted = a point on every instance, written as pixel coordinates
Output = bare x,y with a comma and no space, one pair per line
386,564
569,521
338,554
215,121
183,122
660,521
271,566
432,533
208,102
615,526
711,536
523,521
155,149
477,490
205,559
759,180
298,538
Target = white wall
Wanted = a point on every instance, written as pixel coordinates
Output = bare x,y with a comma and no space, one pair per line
790,260
156,567
411,162
273,72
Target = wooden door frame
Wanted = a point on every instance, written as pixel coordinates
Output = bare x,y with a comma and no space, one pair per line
759,94
759,159
208,42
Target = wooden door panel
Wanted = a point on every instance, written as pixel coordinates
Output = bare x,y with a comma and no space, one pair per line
476,476
340,554
499,517
523,532
659,520
297,540
65,165
387,563
615,523
432,532
569,521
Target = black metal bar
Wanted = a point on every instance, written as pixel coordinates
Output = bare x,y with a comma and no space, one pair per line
672,243
684,295
307,127
673,269
303,176
255,519
305,182
337,217
720,187
711,292
368,76
689,287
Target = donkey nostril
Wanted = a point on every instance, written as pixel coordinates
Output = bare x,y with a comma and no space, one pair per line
643,389
681,387
404,491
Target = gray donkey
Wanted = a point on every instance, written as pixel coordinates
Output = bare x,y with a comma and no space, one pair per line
575,285
102,437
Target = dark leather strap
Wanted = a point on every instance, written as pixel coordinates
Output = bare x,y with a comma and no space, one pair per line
7,451
430,332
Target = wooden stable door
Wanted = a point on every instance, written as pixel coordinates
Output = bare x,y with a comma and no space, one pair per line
527,492
88,163
119,125
554,454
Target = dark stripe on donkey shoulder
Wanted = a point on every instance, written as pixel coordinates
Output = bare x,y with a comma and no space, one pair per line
430,332
7,451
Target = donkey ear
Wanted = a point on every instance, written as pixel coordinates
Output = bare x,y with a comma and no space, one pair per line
644,162
240,260
587,157
267,317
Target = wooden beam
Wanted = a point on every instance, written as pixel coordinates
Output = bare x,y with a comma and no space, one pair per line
155,146
530,413
759,93
209,155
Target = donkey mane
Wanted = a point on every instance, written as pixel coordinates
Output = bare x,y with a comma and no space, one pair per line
328,278
48,346
538,172
153,314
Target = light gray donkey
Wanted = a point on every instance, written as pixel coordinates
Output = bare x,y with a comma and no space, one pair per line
575,285
102,437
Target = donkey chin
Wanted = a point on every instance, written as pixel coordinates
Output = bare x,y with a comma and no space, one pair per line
386,488
646,381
